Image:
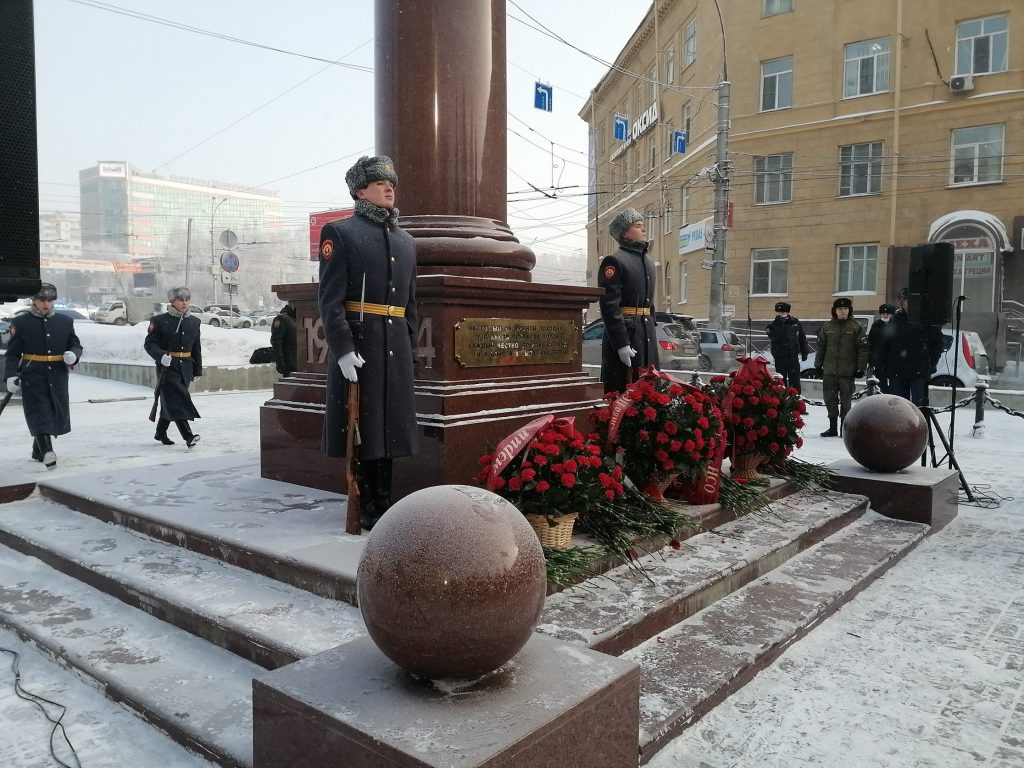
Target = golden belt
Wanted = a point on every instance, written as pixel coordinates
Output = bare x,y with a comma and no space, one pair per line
181,354
375,309
43,358
635,310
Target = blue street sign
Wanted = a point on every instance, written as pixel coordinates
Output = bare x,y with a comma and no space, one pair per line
542,97
621,128
679,142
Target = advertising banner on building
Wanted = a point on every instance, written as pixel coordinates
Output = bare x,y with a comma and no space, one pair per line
316,223
696,236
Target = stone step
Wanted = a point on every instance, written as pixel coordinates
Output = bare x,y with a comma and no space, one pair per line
620,609
201,695
221,507
262,620
692,667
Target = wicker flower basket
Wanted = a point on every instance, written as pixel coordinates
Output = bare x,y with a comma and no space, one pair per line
557,536
656,487
744,466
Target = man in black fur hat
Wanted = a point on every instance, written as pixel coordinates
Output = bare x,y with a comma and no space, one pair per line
627,306
42,350
880,332
789,345
368,308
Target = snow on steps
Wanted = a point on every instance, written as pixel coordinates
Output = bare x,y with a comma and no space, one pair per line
260,619
198,693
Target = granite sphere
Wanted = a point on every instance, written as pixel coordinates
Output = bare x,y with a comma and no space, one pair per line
452,582
885,433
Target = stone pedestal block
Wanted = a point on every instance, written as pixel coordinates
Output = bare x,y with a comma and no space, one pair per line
918,494
555,704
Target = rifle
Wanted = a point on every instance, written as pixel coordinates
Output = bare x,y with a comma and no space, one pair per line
353,522
160,379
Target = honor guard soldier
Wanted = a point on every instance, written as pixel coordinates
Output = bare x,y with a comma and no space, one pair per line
283,341
627,306
42,350
173,342
368,308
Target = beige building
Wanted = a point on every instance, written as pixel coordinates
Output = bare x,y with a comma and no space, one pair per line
856,127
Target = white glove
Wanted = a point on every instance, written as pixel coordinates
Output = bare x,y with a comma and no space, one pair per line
626,355
70,358
14,385
165,361
348,364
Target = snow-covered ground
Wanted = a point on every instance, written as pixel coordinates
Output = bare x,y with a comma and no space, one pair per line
925,668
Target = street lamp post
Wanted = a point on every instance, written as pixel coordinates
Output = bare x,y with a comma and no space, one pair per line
213,256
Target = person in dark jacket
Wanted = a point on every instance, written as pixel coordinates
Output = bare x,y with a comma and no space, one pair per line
842,355
627,306
42,349
879,333
910,353
283,341
368,308
173,342
788,345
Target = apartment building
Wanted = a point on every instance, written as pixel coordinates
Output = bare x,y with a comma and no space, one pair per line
857,128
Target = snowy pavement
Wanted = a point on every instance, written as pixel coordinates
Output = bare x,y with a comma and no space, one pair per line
924,669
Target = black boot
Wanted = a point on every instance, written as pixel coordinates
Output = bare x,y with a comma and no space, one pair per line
186,432
37,450
49,457
831,431
382,492
368,511
161,432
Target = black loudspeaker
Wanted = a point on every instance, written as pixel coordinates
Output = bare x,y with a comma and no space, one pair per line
19,184
930,285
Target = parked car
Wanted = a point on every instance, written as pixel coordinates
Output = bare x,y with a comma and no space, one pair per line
677,349
686,321
719,350
263,317
224,318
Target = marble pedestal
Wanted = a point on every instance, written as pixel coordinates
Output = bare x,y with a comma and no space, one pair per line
918,494
555,704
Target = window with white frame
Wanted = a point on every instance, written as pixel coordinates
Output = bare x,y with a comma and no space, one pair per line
684,204
667,221
652,152
777,84
670,66
666,276
651,216
769,272
775,7
856,268
773,179
860,169
670,134
686,121
982,45
867,68
683,275
652,85
690,43
977,154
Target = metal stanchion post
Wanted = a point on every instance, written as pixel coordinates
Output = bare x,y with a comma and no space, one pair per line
980,392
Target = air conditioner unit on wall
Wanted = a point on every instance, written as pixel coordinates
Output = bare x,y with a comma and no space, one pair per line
961,84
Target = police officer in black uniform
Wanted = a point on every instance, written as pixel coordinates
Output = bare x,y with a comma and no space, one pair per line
42,350
789,344
879,334
627,306
370,332
173,342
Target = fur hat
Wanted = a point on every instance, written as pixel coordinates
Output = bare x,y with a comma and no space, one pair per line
842,301
887,308
782,307
370,169
46,292
181,292
623,221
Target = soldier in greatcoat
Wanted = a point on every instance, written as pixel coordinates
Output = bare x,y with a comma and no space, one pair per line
368,309
283,341
627,306
42,350
173,342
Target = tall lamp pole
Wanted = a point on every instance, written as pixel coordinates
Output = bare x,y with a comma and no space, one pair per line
213,257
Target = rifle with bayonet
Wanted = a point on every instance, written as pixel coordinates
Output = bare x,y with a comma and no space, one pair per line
160,380
353,522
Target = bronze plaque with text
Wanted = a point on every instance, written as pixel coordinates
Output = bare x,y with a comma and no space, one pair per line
483,341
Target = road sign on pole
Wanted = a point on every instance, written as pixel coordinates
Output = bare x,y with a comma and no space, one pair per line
542,96
679,142
621,128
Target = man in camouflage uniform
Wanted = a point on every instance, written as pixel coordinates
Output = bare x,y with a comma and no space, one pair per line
842,355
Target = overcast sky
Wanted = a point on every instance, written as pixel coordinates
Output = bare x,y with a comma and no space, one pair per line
114,86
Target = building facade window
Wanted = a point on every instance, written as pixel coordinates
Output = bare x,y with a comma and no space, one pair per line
683,280
775,7
977,154
690,43
667,229
686,120
777,84
652,85
684,205
670,66
773,179
651,217
974,265
769,272
860,169
856,268
982,45
867,68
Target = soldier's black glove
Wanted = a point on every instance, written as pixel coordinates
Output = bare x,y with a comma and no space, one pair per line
804,357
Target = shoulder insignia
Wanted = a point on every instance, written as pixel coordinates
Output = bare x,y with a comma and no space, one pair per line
277,322
152,327
609,272
326,249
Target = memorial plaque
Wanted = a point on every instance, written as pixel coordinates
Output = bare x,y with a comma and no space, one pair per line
484,341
